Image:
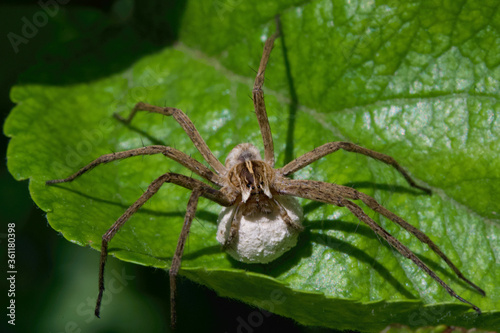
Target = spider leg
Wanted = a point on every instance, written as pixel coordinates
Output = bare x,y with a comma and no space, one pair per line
198,187
172,153
260,105
286,218
188,127
176,261
338,195
332,147
235,227
373,204
358,212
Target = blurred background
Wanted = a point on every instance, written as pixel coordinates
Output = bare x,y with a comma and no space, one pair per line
56,281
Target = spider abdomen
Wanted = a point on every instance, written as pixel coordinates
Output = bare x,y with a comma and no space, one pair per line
262,236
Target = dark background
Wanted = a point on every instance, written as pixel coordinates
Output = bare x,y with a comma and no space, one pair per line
78,45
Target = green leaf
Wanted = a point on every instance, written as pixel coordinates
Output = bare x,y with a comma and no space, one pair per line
414,80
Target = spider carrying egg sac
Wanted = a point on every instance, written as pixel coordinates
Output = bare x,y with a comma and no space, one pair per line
265,224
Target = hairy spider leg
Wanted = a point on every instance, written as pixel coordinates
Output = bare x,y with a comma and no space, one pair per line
169,152
199,189
188,127
331,147
338,195
260,105
176,261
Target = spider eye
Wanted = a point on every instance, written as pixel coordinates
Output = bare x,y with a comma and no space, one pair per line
249,185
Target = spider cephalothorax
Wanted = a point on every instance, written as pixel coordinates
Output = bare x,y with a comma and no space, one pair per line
260,219
247,173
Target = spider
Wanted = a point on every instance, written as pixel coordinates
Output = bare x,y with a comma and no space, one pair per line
260,219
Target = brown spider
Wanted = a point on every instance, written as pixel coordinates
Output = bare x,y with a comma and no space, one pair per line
257,196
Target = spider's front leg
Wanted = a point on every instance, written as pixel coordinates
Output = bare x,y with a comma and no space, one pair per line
260,105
